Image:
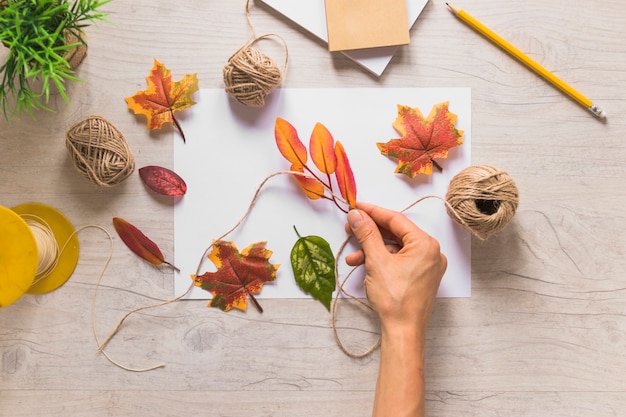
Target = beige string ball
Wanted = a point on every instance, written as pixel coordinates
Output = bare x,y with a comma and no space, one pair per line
482,199
250,75
99,151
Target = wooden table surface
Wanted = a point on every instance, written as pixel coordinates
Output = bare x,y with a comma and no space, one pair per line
544,333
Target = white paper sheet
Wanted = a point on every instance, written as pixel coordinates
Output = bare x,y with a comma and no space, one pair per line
311,15
231,149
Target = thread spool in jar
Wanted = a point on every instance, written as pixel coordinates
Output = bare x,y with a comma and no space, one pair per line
483,199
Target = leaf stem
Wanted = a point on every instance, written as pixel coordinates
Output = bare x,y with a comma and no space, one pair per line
316,177
439,168
328,186
172,266
178,126
256,303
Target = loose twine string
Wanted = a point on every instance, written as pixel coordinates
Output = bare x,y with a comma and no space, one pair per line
250,75
480,183
49,256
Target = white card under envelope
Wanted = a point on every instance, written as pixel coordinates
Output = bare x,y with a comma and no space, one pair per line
231,149
311,15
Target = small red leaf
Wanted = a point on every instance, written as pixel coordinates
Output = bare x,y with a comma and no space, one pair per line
162,180
344,175
139,243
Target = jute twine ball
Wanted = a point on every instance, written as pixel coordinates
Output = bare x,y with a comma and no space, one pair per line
250,76
482,199
99,151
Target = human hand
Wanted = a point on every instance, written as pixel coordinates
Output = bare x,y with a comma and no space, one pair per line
402,279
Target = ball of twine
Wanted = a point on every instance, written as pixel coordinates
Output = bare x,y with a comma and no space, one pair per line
482,199
250,75
99,151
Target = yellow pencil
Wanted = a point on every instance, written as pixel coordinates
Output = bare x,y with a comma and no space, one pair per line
526,60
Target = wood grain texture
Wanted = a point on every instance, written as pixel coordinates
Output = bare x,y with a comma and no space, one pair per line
544,333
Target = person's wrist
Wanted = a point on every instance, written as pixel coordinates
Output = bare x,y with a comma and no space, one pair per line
405,332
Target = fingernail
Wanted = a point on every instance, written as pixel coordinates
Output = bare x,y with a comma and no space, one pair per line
355,218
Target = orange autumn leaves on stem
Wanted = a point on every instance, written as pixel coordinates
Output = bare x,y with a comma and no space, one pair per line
163,97
328,156
422,139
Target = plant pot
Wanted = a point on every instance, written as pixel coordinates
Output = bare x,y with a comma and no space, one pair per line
76,55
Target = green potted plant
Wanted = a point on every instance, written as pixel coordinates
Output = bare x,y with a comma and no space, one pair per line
45,41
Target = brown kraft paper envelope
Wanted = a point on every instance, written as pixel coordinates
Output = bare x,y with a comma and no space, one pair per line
358,24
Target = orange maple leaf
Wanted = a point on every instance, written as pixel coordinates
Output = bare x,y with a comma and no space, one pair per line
423,139
238,275
163,97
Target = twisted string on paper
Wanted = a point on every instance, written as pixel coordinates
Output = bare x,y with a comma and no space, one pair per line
99,151
250,75
488,182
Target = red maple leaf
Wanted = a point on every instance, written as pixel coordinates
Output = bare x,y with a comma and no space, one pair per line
238,275
423,139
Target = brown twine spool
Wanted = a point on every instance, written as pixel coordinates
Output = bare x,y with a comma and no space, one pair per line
250,75
482,199
99,151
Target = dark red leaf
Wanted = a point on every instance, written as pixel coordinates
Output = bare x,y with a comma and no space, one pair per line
139,243
162,180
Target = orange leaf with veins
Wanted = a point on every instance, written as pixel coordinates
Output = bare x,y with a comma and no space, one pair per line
321,147
345,177
163,97
289,144
238,275
423,139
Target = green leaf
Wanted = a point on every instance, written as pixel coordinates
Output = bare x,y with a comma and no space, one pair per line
313,265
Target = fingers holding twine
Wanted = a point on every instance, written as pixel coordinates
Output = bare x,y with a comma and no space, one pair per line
480,198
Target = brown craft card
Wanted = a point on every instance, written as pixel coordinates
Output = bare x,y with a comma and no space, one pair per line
358,24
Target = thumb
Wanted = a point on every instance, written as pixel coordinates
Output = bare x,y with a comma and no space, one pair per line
366,231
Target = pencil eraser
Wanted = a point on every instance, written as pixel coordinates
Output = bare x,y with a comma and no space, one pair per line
598,112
